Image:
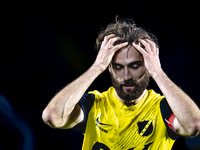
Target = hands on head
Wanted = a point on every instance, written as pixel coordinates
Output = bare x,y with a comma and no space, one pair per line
149,52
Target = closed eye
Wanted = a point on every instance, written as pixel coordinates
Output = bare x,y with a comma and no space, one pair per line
117,66
135,65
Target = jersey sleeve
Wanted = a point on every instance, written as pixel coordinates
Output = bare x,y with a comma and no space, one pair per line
86,103
168,118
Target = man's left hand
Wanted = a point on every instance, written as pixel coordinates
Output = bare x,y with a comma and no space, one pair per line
150,55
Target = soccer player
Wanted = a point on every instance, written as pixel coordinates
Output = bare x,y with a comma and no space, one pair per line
127,116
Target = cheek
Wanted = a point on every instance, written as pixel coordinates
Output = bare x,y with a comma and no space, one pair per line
117,76
119,73
137,74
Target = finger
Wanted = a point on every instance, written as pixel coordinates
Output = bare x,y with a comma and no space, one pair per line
110,36
107,38
119,46
146,45
152,45
149,41
113,40
140,49
157,51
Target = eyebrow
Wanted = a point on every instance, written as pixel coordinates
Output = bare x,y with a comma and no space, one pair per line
132,63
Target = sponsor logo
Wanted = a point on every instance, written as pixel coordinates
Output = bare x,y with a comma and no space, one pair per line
102,126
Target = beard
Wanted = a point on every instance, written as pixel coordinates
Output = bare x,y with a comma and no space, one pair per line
139,86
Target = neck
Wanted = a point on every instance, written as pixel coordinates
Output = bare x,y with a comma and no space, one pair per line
131,102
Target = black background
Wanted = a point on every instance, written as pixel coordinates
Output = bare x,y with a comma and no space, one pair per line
46,46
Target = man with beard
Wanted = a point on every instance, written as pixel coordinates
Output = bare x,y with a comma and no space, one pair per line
127,116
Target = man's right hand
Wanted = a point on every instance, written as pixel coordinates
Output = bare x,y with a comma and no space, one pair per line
107,51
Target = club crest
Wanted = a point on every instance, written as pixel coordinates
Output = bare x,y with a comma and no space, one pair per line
145,128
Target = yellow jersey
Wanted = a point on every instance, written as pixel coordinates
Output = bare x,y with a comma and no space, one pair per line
110,125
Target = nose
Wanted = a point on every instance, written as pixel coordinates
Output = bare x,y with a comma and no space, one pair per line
127,74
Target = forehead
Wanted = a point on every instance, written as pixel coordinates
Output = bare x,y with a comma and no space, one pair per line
127,55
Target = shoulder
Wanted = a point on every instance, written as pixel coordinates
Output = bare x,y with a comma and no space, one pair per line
87,103
102,95
153,95
92,97
154,98
165,111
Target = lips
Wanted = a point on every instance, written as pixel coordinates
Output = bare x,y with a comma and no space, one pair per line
128,87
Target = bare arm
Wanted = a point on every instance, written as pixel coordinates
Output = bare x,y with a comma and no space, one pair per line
187,121
63,111
58,112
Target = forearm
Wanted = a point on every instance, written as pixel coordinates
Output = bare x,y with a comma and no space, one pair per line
185,110
60,107
62,111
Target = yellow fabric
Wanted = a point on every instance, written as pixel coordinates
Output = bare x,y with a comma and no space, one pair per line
119,127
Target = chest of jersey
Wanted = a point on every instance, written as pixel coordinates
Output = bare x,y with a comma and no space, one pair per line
114,126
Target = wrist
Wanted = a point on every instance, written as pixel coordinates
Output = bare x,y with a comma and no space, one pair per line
157,74
99,67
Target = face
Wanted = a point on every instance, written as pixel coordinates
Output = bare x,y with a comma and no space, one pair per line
128,74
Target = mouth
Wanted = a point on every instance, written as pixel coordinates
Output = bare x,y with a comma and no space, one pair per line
128,87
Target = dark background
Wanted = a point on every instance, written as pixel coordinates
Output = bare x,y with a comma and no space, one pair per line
47,46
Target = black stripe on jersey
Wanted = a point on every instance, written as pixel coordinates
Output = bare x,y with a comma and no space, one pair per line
166,113
86,103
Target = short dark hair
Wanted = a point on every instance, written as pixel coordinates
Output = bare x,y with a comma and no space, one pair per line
126,29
